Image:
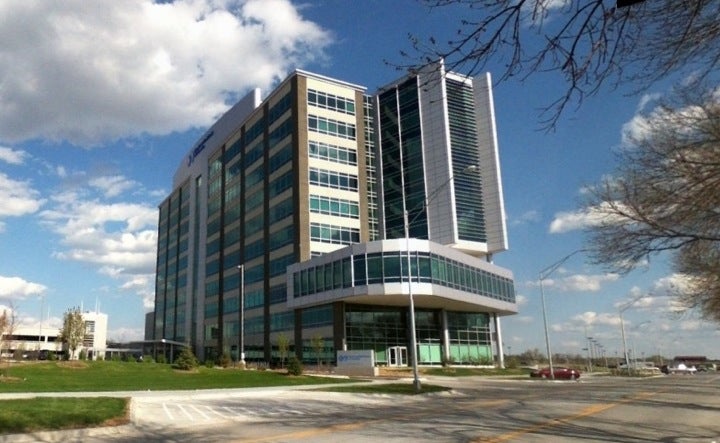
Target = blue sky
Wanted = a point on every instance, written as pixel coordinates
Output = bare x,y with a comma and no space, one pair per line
101,100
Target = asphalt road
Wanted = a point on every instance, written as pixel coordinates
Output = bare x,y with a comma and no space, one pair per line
678,409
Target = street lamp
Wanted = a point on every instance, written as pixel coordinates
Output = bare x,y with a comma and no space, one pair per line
407,223
42,306
622,309
241,289
542,275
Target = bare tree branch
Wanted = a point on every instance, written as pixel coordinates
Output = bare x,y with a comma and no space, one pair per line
665,196
588,43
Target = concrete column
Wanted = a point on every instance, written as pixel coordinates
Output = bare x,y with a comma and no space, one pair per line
445,335
498,333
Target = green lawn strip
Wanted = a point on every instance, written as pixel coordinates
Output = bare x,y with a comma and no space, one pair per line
53,413
105,376
466,372
386,388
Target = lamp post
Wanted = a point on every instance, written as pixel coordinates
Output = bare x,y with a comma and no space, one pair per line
622,309
542,275
413,333
241,289
624,341
42,306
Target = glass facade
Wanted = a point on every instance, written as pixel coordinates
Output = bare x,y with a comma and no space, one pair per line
384,328
391,267
172,271
402,160
371,169
464,151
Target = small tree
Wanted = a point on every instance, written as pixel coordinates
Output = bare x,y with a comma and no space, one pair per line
186,360
318,344
72,333
8,321
295,366
283,343
3,329
224,360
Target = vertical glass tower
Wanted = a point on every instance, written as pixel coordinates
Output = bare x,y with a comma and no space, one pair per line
437,136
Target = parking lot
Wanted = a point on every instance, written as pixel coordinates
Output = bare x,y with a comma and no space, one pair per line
677,408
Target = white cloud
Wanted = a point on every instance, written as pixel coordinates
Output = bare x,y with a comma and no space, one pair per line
521,300
18,198
16,288
113,186
572,221
661,299
120,239
125,335
579,282
640,126
87,72
525,218
647,99
120,236
591,318
523,319
11,156
584,218
142,284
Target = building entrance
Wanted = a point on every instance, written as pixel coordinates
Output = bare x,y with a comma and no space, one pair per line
397,356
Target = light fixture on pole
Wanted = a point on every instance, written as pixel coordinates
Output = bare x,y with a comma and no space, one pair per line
624,342
413,333
241,289
542,275
622,309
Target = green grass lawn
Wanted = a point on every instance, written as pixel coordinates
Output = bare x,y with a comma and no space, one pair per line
100,376
45,413
387,388
466,372
52,413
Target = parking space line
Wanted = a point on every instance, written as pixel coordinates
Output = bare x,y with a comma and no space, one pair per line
189,416
200,412
167,412
212,410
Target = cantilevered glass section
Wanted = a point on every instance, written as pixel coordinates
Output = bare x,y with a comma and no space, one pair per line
391,267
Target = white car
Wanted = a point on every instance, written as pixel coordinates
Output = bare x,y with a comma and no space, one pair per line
681,368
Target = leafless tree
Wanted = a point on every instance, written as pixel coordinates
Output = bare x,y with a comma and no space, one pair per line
588,43
665,196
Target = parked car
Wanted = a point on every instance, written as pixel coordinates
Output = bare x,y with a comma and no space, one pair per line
679,368
559,372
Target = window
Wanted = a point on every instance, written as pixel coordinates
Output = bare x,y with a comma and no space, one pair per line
332,127
332,179
330,101
334,206
334,234
333,153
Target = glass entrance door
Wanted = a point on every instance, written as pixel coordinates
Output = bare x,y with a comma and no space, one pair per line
397,356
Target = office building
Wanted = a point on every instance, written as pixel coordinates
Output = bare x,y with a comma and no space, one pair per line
296,203
44,339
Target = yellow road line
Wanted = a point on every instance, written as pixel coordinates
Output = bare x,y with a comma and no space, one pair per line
586,412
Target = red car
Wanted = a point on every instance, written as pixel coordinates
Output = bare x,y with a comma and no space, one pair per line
560,373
